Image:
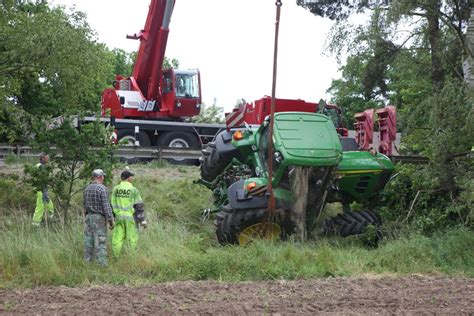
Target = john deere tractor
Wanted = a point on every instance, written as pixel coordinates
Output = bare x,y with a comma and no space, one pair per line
311,166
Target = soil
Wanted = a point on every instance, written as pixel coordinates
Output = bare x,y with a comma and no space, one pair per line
411,295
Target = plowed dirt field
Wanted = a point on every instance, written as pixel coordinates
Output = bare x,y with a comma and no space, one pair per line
412,295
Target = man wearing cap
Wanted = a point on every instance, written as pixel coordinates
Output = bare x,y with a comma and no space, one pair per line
98,214
43,202
126,203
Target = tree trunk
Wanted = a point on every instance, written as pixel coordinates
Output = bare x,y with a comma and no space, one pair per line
437,69
299,177
468,65
437,81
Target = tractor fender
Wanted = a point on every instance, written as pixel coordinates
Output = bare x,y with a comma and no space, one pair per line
227,151
238,200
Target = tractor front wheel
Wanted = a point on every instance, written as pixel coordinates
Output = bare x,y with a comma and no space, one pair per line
353,223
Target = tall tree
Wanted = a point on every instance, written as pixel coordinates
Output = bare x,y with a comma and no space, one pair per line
50,64
50,61
442,21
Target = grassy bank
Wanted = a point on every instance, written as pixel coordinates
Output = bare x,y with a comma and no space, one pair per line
177,246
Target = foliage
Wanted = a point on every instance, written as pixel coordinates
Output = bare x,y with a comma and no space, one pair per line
73,155
410,202
414,198
210,114
123,61
348,91
14,122
334,10
168,63
44,71
398,38
451,133
10,198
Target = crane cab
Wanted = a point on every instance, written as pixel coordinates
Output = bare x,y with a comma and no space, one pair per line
181,92
179,97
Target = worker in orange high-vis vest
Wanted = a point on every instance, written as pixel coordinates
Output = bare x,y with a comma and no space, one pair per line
43,202
126,204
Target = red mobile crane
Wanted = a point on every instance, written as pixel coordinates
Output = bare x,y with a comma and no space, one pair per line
151,93
149,108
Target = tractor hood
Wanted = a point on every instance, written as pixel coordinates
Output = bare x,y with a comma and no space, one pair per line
306,139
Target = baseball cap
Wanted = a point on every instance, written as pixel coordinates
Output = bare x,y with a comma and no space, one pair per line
98,173
126,174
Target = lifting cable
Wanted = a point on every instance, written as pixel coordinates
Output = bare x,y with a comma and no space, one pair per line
271,201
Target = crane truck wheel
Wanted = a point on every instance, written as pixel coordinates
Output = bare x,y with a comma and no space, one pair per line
179,140
353,223
127,137
240,227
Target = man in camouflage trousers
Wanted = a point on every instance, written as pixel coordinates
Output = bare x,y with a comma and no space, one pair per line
98,214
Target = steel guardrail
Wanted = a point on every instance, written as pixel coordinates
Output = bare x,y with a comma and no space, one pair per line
120,152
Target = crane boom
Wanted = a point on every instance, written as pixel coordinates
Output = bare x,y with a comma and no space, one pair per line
153,92
153,39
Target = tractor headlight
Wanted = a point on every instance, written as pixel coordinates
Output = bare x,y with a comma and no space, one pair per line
278,157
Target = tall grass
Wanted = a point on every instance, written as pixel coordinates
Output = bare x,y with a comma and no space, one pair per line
177,246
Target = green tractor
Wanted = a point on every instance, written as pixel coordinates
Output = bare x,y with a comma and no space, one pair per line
312,166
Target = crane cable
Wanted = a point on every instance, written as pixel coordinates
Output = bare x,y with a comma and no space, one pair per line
271,201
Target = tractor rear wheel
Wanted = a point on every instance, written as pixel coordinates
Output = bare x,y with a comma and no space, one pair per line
218,155
352,223
240,227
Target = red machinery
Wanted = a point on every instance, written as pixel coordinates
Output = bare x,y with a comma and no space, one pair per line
255,113
364,127
387,122
151,92
387,119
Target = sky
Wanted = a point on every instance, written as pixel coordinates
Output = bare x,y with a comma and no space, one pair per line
231,43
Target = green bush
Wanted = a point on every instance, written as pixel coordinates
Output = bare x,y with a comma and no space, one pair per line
440,194
15,196
411,199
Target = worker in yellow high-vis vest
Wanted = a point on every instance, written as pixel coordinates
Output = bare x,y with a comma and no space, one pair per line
126,202
43,202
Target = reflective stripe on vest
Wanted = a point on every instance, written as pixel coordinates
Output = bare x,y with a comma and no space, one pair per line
123,199
124,216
